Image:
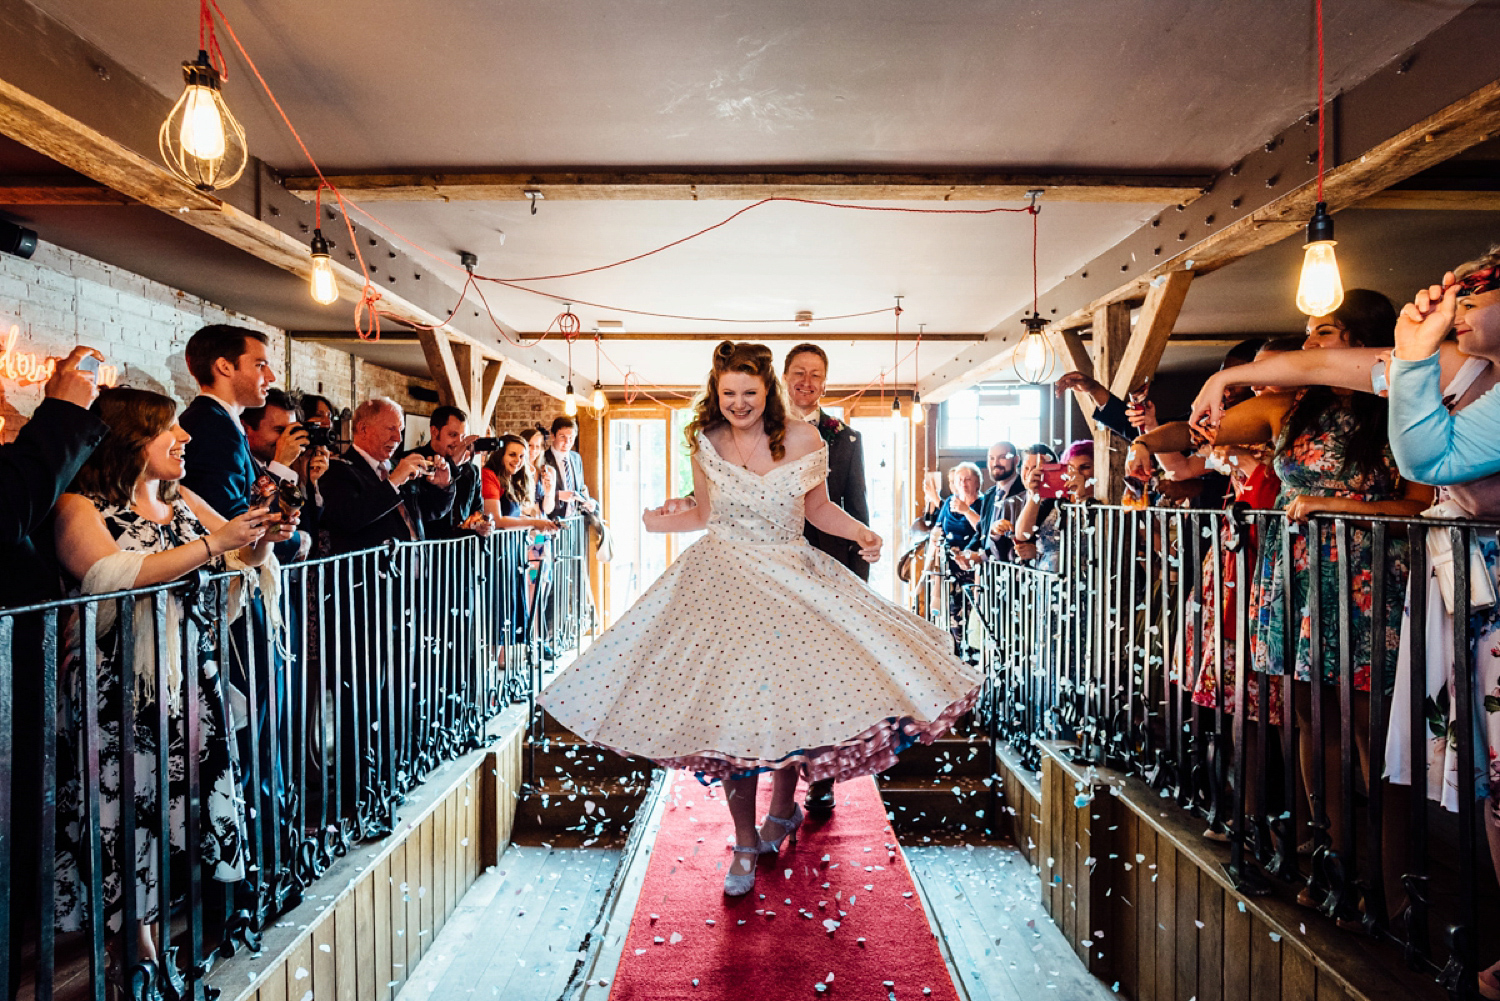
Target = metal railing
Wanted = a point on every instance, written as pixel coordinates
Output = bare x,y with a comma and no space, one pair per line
335,685
1126,652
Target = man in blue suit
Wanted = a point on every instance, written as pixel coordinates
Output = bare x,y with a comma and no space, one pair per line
233,372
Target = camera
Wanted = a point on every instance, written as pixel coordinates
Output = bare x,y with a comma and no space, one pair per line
486,444
334,437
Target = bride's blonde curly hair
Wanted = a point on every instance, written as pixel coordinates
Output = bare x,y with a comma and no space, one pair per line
751,359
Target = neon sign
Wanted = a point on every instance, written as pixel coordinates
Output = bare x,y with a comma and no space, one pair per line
29,368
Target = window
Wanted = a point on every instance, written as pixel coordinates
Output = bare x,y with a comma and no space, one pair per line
975,418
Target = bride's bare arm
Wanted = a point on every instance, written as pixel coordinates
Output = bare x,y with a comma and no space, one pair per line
672,517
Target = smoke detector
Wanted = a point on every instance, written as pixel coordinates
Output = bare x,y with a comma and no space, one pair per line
804,317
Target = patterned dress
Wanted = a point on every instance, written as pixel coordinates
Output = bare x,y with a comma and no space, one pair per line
1259,490
755,650
1313,465
1480,500
222,843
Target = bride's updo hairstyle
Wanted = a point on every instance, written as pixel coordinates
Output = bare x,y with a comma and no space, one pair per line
751,359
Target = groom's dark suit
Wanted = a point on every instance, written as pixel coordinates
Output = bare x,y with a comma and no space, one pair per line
846,488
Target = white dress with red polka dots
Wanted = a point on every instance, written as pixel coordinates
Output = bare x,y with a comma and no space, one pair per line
754,650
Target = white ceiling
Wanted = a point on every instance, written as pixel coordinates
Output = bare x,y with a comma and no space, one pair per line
1173,86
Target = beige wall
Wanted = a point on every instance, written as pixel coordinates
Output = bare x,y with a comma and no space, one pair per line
59,299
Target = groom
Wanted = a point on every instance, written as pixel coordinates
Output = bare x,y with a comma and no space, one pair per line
806,374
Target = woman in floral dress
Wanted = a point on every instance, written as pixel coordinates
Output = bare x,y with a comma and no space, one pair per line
1332,457
126,524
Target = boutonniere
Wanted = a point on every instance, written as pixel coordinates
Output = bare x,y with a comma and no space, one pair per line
829,426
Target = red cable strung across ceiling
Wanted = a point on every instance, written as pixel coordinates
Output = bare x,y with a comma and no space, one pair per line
368,312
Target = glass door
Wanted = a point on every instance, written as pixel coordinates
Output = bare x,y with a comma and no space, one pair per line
886,441
637,480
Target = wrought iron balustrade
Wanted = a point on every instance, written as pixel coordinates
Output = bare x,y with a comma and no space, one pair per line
1127,652
345,681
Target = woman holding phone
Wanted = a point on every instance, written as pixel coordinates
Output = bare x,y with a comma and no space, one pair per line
1039,523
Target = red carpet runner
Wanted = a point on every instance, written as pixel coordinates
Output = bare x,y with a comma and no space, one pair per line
836,916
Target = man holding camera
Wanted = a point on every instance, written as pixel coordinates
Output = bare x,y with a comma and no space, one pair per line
279,443
367,501
449,439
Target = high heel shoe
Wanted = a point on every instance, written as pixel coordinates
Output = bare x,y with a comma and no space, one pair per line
737,883
789,827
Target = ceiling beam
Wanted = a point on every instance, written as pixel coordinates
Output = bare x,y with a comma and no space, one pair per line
1434,200
625,338
57,191
69,100
1418,111
612,186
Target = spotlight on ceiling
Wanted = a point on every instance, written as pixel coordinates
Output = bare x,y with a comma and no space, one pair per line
17,240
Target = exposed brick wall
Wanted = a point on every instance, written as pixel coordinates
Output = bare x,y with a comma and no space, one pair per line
521,406
60,299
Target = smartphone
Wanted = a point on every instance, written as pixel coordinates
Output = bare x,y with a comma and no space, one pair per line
89,364
1054,480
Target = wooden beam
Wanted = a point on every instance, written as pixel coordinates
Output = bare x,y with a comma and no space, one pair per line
628,185
762,336
1111,338
57,191
69,100
469,367
1434,200
1405,118
438,350
491,383
1153,326
1079,361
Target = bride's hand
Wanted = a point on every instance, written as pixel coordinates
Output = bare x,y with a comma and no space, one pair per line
869,545
677,505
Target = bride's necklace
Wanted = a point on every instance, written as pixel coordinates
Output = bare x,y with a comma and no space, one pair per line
744,462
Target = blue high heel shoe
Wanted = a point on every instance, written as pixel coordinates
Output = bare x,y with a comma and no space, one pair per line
789,827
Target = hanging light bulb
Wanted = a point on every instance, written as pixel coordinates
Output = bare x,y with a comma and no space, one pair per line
570,401
201,141
1033,358
599,402
917,414
324,288
1320,290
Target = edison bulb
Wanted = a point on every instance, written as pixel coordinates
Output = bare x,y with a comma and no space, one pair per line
1320,290
599,402
917,413
202,126
570,402
1036,354
324,288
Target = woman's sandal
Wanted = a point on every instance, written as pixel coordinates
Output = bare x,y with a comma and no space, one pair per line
789,827
736,883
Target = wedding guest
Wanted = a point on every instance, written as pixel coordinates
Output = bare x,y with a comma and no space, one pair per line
1005,484
366,501
448,437
34,471
572,492
953,522
1038,530
1332,456
125,523
543,475
509,488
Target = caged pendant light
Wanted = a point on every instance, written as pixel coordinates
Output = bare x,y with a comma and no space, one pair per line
200,141
1034,358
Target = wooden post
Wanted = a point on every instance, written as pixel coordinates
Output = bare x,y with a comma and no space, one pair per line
1153,327
1111,337
1079,361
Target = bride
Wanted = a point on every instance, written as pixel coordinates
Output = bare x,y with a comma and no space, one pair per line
754,651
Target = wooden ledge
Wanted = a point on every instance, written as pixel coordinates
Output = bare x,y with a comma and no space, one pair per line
1365,969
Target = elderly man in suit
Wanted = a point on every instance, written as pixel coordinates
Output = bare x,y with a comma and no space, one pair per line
367,501
805,372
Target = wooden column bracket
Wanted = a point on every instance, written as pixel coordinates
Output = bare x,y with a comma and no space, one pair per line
452,387
1153,328
491,382
1079,361
1111,338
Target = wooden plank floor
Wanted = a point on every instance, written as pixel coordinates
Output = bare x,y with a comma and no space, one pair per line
987,904
516,934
